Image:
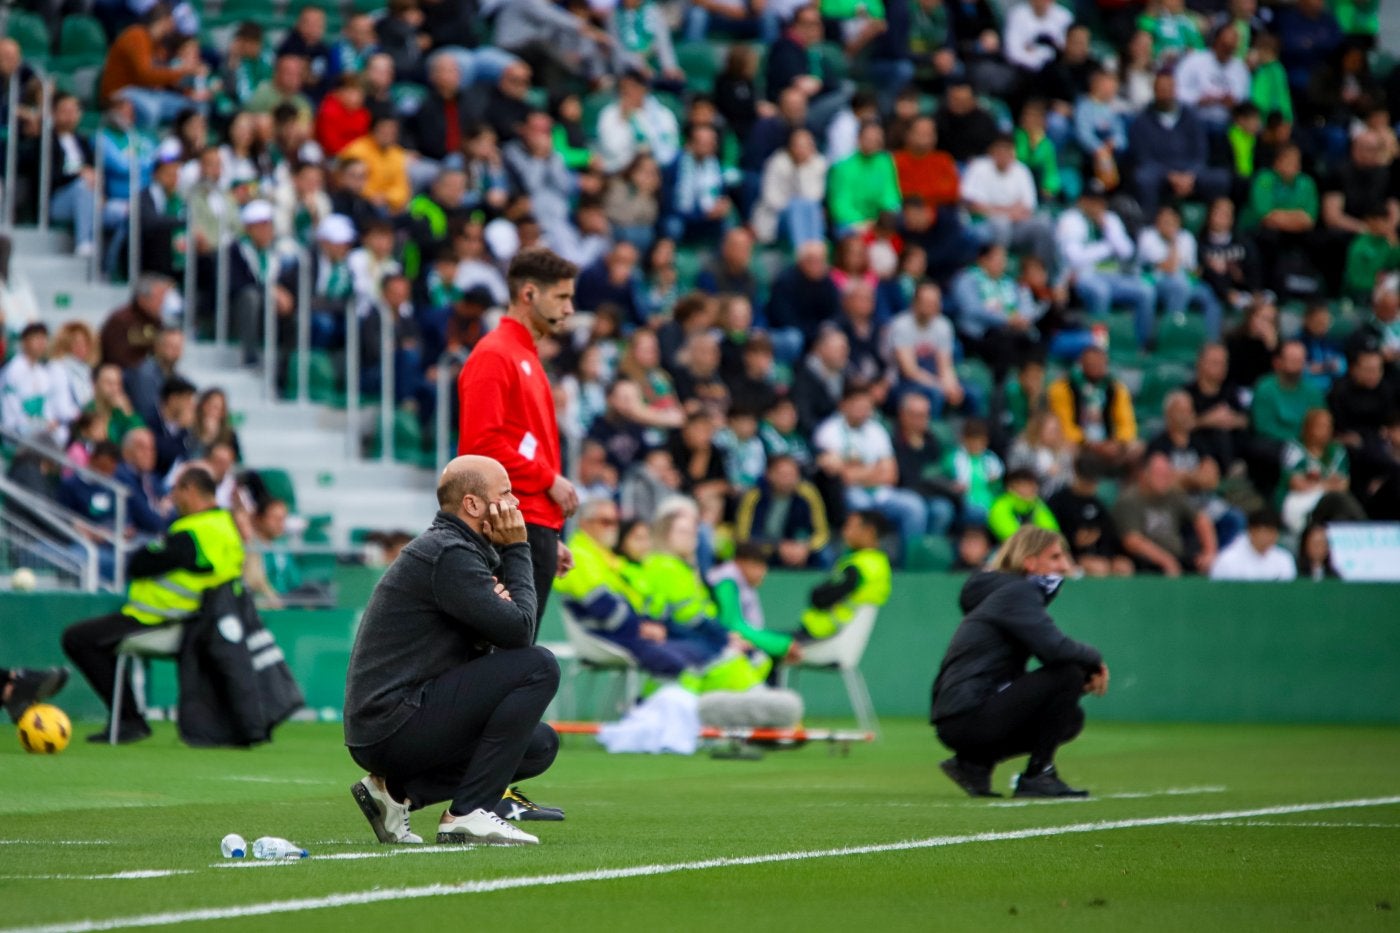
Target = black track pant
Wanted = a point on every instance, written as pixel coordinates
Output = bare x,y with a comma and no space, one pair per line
1035,715
544,557
92,647
477,730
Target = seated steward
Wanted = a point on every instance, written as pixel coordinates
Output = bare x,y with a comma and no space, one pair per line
860,578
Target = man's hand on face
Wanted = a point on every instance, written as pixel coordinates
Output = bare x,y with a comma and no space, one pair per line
504,524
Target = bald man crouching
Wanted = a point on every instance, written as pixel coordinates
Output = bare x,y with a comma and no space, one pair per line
445,692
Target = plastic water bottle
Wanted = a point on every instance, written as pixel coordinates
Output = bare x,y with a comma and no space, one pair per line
233,846
270,847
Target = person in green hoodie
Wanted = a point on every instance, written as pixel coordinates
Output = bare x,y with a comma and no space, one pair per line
1020,505
863,185
861,577
734,585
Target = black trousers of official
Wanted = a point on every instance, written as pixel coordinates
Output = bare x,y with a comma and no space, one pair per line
1035,715
544,558
92,647
476,731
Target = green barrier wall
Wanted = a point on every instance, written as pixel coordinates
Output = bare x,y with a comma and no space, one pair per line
1185,650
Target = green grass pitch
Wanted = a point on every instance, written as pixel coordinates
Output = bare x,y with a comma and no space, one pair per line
1195,827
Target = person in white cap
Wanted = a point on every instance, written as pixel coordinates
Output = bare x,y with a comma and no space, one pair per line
252,263
332,284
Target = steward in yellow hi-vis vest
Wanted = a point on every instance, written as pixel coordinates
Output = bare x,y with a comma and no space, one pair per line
860,578
201,551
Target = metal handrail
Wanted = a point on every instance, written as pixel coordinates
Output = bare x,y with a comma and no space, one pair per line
448,367
62,523
119,491
133,207
303,325
352,380
221,283
45,152
269,342
387,321
99,205
11,151
191,275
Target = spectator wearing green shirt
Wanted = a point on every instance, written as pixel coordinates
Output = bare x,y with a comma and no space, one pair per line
1372,253
1281,400
1358,17
1173,29
1282,211
1268,86
1020,505
1035,148
1316,476
864,185
974,472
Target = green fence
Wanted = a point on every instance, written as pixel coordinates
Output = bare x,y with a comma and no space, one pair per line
1186,650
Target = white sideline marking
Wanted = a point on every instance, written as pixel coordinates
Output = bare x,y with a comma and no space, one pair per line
55,842
117,876
343,856
1133,795
1314,825
377,895
260,779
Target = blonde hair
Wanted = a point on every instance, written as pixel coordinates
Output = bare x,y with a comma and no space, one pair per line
63,343
1027,542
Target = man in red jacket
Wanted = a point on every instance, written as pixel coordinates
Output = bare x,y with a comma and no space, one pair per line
507,407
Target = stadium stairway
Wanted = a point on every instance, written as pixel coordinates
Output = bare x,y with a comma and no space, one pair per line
308,442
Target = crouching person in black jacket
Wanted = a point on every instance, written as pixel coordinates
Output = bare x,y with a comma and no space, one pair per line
445,691
986,706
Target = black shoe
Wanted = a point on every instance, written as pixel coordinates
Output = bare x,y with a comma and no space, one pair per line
517,807
127,733
1045,784
975,779
29,685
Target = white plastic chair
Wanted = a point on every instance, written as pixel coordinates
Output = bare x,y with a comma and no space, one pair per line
598,655
162,641
842,653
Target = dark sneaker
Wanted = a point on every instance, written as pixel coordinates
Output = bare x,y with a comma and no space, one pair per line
127,733
516,806
1045,784
975,779
30,685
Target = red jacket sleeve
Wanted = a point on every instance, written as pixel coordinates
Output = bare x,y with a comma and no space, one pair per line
487,429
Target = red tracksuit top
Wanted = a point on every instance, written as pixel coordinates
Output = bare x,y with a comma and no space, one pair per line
508,414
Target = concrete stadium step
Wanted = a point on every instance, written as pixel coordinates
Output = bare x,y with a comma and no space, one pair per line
308,441
385,509
31,242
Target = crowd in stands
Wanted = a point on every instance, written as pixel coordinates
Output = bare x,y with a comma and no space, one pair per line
921,257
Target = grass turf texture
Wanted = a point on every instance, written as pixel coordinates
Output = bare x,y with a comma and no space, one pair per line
160,806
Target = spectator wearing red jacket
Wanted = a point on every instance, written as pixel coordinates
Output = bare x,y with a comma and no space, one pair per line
343,117
508,409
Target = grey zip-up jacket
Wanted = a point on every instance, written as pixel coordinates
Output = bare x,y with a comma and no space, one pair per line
435,608
1004,624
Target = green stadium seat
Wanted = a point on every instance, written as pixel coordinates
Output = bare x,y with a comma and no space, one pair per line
930,552
279,485
318,529
31,33
975,374
82,35
1108,492
689,261
1157,382
700,62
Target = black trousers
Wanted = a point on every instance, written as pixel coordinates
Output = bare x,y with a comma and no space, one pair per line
544,557
1035,715
476,731
92,647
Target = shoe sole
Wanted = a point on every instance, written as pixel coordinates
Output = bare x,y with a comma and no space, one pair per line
947,768
466,839
371,812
